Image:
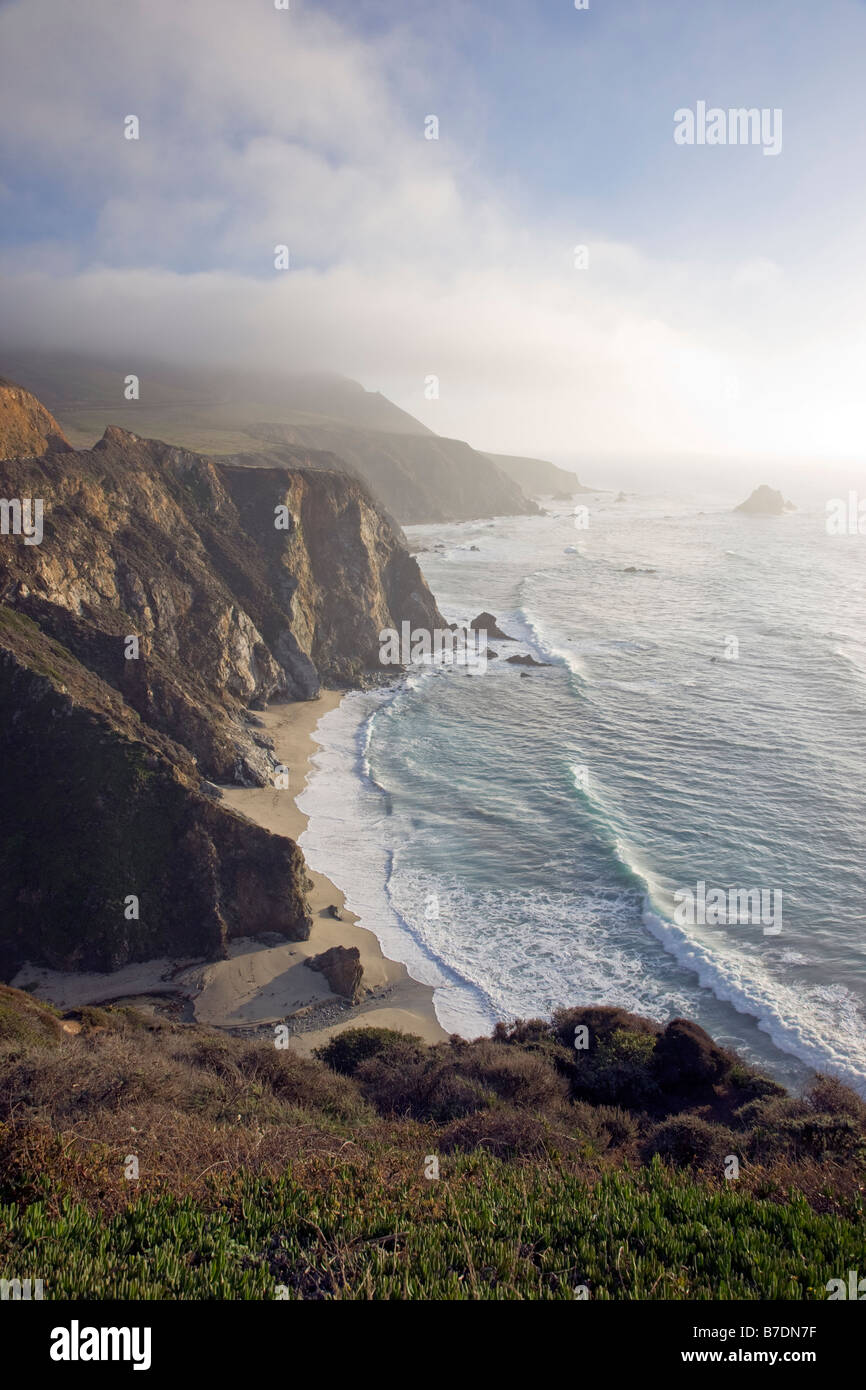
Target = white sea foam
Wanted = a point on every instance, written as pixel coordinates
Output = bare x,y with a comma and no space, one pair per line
823,1025
344,837
533,944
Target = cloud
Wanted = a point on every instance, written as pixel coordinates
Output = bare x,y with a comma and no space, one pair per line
261,127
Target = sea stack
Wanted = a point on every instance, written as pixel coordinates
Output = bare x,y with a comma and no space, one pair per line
485,622
765,501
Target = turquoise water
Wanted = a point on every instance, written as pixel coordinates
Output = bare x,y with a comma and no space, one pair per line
518,841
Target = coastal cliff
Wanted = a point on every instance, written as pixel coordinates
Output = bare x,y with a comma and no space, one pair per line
168,596
418,475
26,427
538,477
420,478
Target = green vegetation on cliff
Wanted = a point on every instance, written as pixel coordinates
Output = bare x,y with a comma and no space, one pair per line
389,1169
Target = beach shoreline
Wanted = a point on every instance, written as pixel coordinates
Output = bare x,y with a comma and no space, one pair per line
392,998
266,981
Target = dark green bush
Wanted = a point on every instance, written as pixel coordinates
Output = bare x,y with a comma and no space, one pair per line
687,1060
601,1024
829,1096
689,1141
752,1085
618,1071
347,1050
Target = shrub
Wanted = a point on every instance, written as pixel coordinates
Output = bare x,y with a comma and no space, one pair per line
835,1137
601,1024
453,1079
770,1112
99,1073
522,1078
743,1078
501,1131
830,1096
91,1017
686,1058
620,1127
536,1037
347,1050
297,1080
689,1141
25,1021
446,1094
523,1031
618,1071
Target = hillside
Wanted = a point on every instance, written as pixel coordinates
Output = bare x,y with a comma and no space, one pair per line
161,607
416,475
538,477
419,478
26,427
511,1167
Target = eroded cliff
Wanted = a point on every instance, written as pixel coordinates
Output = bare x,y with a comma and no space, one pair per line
168,596
26,427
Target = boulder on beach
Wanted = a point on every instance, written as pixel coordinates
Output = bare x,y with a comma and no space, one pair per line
485,622
341,967
765,501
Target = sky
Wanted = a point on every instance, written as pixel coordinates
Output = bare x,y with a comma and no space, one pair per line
719,305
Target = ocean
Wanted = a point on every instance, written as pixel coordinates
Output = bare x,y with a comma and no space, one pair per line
524,842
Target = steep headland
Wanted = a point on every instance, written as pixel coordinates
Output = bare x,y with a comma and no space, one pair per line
168,597
26,427
538,477
418,475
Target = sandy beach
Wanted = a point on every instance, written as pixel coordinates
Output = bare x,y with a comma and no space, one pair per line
264,982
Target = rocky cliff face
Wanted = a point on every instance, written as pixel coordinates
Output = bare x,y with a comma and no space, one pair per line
26,427
538,477
168,597
110,850
417,475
